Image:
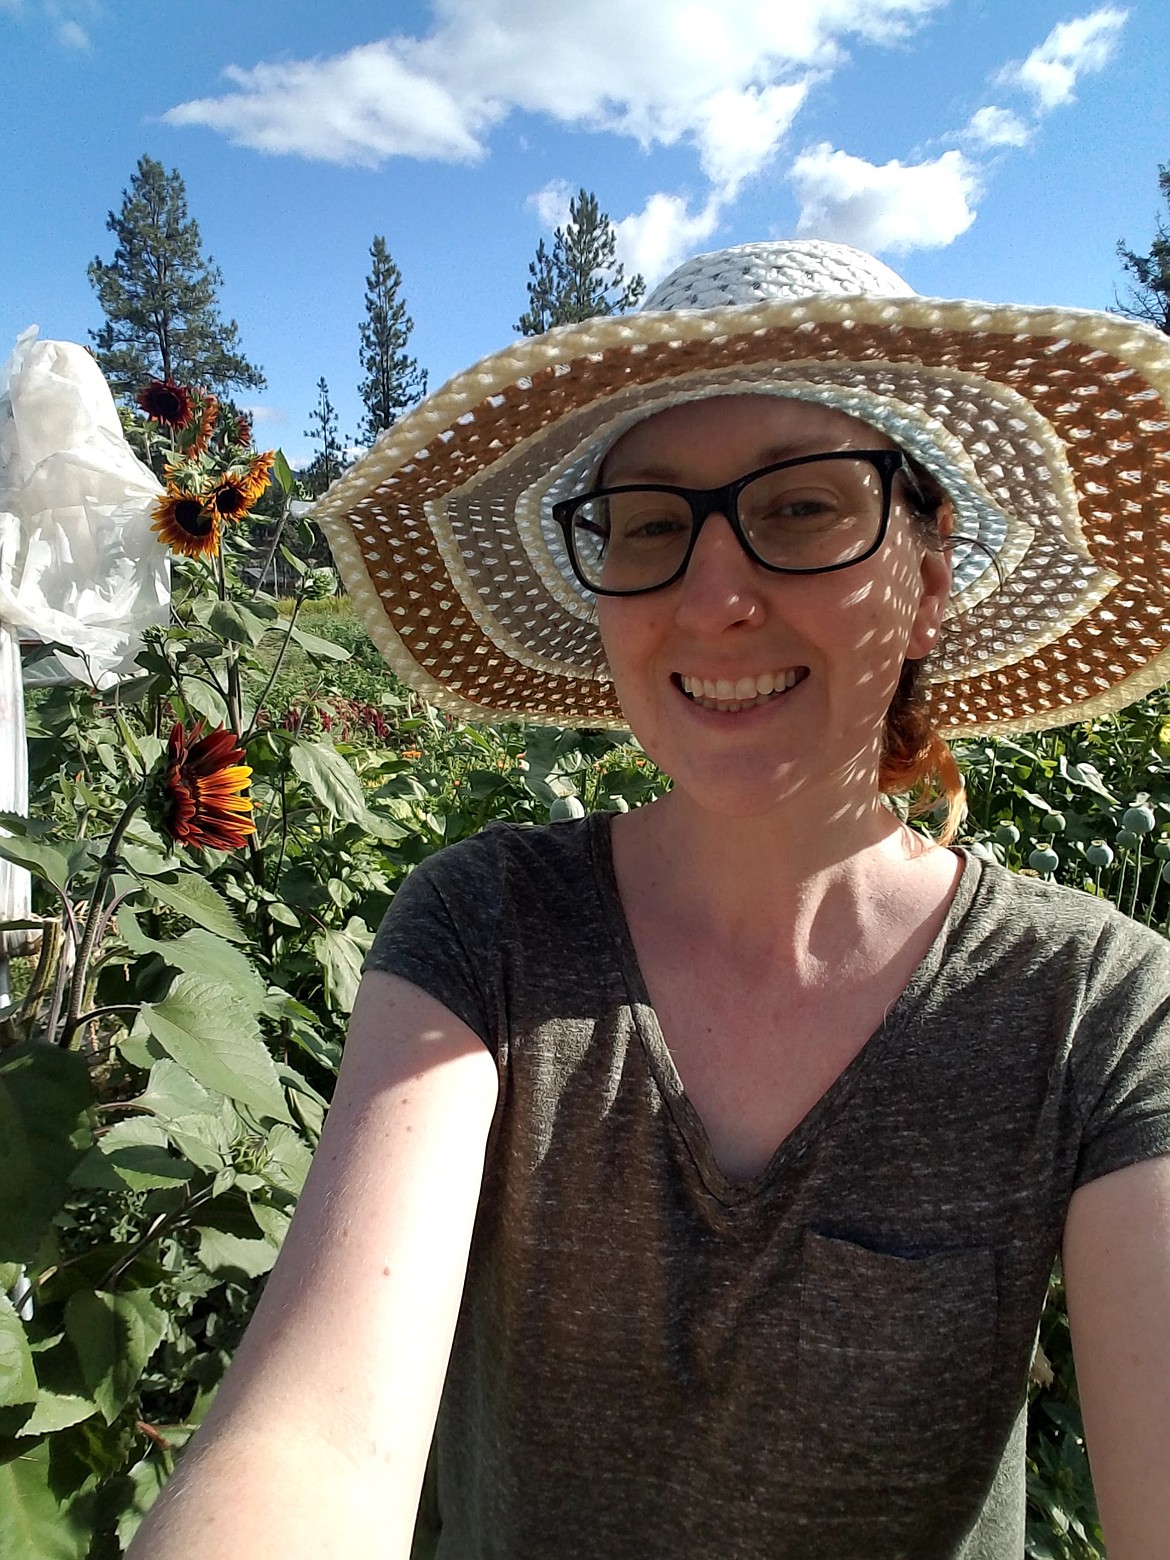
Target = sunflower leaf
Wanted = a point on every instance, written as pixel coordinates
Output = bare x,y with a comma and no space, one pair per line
194,897
208,1029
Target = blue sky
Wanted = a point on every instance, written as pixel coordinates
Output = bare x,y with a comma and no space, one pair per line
984,149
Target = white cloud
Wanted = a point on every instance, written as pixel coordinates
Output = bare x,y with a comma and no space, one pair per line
895,207
1071,50
738,132
260,415
551,204
991,127
727,75
663,234
73,36
360,108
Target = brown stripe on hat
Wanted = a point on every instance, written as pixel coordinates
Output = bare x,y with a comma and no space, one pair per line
1084,392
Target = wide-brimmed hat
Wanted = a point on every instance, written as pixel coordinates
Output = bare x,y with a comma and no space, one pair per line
1048,428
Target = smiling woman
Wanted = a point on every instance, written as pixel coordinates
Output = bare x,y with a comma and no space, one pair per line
678,1156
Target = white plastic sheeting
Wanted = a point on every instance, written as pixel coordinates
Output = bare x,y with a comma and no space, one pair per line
78,563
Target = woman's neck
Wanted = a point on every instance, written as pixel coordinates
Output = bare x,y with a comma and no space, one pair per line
781,886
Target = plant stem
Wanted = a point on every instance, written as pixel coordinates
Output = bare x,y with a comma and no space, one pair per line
280,654
93,919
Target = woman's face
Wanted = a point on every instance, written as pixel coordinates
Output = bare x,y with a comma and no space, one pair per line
832,644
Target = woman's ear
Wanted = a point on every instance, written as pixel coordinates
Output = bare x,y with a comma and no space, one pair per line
935,573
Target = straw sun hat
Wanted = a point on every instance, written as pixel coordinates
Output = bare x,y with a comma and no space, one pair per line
1048,428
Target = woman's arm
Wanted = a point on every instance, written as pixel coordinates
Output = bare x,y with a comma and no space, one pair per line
1117,1283
317,1442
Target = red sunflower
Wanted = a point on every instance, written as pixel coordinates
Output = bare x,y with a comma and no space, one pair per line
168,403
187,523
204,785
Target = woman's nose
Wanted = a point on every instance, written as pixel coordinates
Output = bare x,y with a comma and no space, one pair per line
721,587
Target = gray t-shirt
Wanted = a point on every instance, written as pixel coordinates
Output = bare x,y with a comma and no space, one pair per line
829,1361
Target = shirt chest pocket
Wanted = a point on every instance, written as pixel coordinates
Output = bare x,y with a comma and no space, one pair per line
895,1359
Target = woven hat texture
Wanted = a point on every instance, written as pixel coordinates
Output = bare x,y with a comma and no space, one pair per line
1048,428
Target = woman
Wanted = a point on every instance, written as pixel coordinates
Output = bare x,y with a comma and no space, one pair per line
753,1120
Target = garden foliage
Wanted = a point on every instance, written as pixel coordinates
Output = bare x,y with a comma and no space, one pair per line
168,1057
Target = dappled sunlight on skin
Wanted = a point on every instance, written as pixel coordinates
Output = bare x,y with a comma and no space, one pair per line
774,799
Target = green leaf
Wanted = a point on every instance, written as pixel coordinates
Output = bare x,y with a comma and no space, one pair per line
203,700
331,780
282,472
219,1250
194,897
114,1337
57,1411
172,1093
135,1154
45,861
198,953
323,649
146,862
208,1030
44,1130
34,1525
236,624
146,1483
18,1378
340,954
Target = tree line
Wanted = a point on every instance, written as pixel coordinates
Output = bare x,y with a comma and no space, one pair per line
160,298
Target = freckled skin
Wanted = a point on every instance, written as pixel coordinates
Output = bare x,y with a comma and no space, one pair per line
728,617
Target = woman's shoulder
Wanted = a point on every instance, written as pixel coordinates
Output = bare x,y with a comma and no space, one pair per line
1049,919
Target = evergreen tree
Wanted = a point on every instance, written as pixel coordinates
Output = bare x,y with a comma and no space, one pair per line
1148,297
581,278
325,466
393,379
160,296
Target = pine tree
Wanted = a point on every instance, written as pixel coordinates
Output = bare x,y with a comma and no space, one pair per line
160,296
581,278
1148,297
393,379
325,466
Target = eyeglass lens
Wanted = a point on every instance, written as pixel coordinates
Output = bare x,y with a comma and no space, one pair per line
812,516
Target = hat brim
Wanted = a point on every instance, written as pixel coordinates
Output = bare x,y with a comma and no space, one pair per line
1050,428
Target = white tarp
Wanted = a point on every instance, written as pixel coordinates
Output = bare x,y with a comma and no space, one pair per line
78,563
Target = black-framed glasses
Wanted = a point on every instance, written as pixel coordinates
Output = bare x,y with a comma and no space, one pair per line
808,515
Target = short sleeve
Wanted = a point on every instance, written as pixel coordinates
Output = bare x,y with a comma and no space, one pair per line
440,934
1121,1056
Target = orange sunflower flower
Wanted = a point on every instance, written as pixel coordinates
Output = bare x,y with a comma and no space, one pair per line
259,472
186,523
166,402
232,496
203,788
208,412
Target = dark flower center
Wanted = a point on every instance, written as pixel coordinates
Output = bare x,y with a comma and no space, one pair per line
230,501
193,517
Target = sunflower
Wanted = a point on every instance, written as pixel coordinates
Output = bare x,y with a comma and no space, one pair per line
208,412
165,402
259,472
187,523
232,496
203,789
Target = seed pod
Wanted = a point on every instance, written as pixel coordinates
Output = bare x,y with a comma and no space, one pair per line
1053,823
1007,834
618,804
1044,859
1138,820
1162,850
1127,839
1098,854
564,807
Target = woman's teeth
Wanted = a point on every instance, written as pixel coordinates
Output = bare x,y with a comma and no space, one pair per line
723,694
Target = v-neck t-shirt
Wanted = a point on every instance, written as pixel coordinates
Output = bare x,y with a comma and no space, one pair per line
827,1361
